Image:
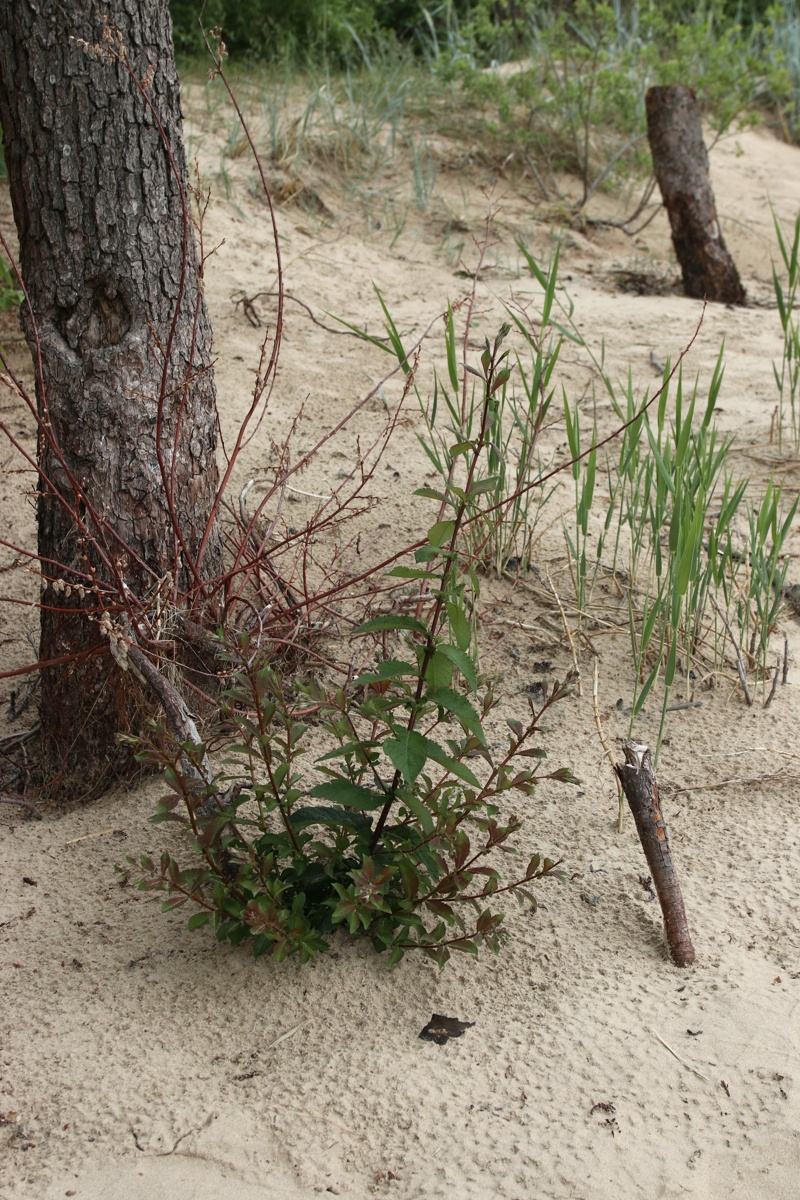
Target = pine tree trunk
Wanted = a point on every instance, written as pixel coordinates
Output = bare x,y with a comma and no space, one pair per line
118,320
680,163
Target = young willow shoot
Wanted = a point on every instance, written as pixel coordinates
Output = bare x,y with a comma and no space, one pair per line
504,510
787,377
395,832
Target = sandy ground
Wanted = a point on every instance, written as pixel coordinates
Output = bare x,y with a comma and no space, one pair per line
139,1060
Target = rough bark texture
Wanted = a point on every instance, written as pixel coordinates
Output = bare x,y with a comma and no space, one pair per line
114,288
639,784
680,163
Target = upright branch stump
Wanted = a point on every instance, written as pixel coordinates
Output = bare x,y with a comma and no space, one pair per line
680,163
638,781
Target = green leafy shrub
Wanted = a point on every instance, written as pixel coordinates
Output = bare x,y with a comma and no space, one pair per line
332,29
306,30
578,104
397,831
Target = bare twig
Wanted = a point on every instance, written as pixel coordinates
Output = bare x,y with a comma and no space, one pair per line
775,678
180,720
568,632
251,313
5,799
740,667
85,837
9,740
723,783
606,748
289,1033
678,1058
531,165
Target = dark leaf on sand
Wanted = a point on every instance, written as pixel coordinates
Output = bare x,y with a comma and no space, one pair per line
440,1029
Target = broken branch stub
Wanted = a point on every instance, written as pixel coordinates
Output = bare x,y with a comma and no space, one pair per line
638,781
680,164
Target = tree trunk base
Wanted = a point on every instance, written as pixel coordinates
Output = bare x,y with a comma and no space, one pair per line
680,163
83,708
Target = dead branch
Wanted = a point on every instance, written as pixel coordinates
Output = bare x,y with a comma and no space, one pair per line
740,667
607,751
639,782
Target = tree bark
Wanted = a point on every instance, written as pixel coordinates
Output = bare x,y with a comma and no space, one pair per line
638,781
680,163
125,388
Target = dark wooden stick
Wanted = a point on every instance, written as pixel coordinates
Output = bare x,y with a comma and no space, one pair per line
638,781
680,163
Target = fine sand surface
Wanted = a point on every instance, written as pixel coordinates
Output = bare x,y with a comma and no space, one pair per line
140,1061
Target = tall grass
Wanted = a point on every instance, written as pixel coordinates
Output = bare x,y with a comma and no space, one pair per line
668,533
787,377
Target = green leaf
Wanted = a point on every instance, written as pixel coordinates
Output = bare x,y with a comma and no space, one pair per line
550,290
463,662
198,921
410,573
453,765
460,707
394,336
418,810
359,749
390,669
430,493
439,671
693,539
663,472
408,751
588,487
484,485
366,337
323,814
456,491
409,877
450,341
669,669
573,427
564,775
440,532
533,266
459,625
392,621
640,699
342,791
500,378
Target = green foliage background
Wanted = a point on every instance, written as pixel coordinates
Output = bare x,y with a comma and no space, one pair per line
329,28
268,29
